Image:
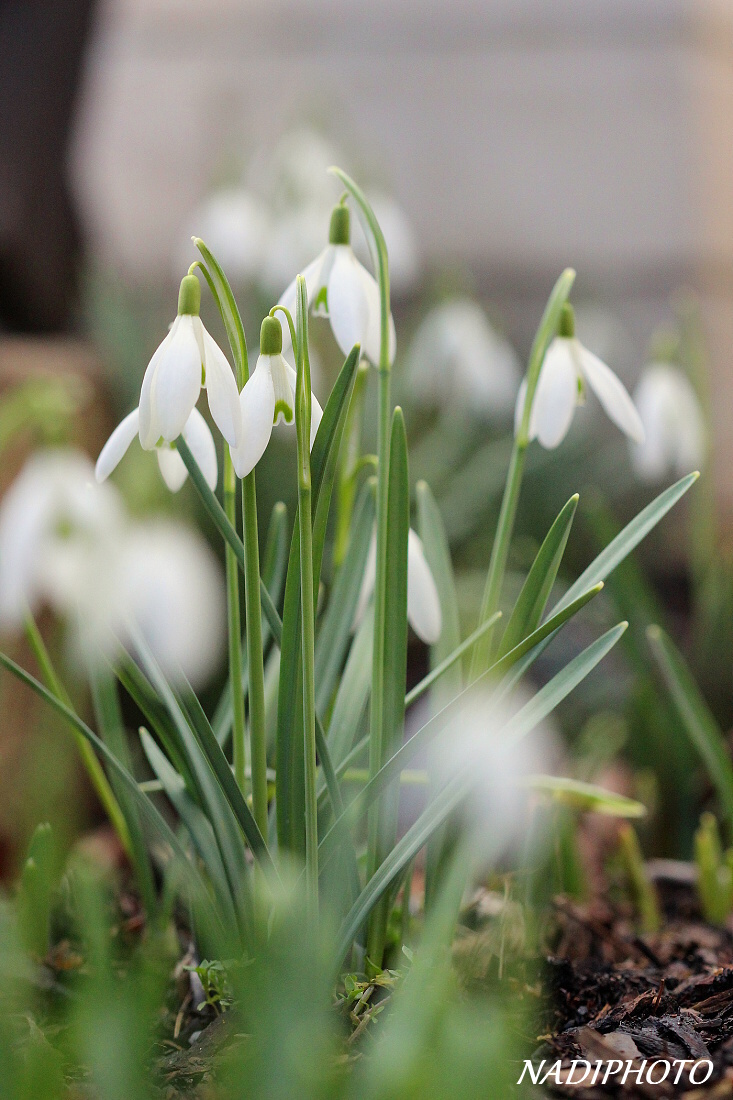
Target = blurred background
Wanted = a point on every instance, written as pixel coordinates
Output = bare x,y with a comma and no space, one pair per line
499,140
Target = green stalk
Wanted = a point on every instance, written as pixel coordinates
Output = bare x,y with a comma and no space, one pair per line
507,514
235,628
305,521
349,466
94,769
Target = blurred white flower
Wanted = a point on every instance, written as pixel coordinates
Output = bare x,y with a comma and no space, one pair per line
566,370
456,359
53,521
340,289
402,247
673,423
423,602
296,235
292,173
167,583
196,434
235,224
479,746
268,398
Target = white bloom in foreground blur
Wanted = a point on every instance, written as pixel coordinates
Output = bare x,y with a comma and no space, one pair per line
196,434
268,397
423,602
167,583
53,521
235,224
673,423
456,359
187,360
567,369
340,289
480,746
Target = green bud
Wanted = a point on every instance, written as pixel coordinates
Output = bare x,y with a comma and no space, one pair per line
189,296
566,324
340,229
271,337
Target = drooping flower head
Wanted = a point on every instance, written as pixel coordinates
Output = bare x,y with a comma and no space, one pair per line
567,370
342,290
268,398
423,602
187,360
673,423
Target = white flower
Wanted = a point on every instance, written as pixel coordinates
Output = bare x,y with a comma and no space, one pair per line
196,434
268,398
53,520
423,602
457,359
166,582
340,289
235,224
673,422
566,370
187,360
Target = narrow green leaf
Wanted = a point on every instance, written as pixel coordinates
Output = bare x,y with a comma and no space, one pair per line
353,692
222,292
697,719
585,796
437,554
535,593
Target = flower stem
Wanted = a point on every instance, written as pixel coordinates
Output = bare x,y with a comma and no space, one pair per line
235,628
305,522
255,655
94,769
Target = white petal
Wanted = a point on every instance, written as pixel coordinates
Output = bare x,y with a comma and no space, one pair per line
311,274
149,427
373,338
201,444
316,410
117,445
176,383
257,402
348,305
423,602
611,393
280,372
368,581
221,391
673,424
556,396
172,467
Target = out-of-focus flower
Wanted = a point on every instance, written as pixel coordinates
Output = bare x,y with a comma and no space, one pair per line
187,360
399,236
235,224
268,398
53,520
456,359
423,602
566,370
673,423
165,582
67,542
340,289
196,434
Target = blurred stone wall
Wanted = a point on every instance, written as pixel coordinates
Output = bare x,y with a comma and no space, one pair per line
520,137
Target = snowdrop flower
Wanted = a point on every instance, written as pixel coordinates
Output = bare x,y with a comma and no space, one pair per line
172,467
457,359
164,584
340,289
53,520
235,224
673,422
566,370
423,602
268,397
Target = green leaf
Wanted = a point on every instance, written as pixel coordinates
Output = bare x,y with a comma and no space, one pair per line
535,593
189,878
290,782
220,288
585,796
697,719
336,625
353,691
437,554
